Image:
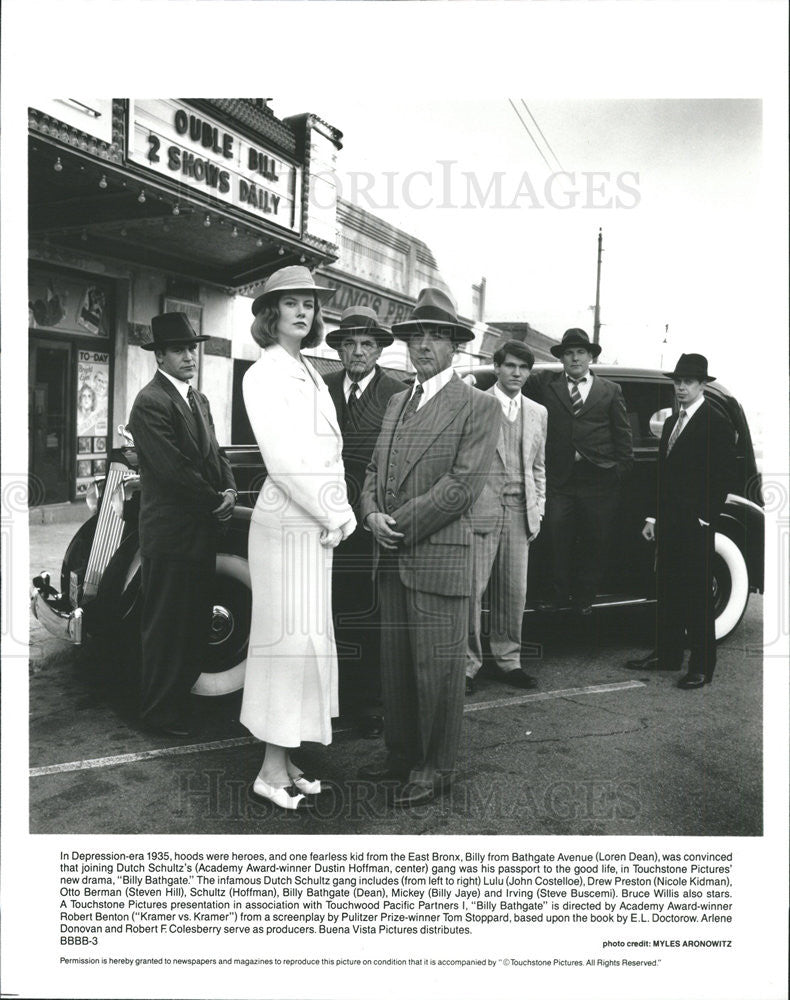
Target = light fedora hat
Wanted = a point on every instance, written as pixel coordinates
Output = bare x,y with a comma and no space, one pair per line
692,366
360,320
433,307
575,338
172,328
293,278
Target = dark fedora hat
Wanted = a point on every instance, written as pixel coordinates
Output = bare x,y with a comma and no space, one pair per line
168,329
575,338
360,320
290,279
692,366
433,307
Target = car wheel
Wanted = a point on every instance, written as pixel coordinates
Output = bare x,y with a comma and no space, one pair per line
226,658
730,586
229,636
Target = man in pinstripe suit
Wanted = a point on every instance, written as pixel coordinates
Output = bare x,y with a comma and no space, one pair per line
430,463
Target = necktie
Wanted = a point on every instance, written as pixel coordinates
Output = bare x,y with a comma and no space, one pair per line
676,431
512,410
353,400
412,405
576,397
197,413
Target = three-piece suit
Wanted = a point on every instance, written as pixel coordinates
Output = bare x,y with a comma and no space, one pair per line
587,454
182,474
504,518
354,601
693,482
426,473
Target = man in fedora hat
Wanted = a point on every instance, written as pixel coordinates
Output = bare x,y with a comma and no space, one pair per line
186,491
429,465
360,392
588,451
696,461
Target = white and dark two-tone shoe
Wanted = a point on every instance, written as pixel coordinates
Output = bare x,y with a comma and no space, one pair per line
288,797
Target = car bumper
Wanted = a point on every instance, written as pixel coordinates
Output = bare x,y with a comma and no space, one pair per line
65,625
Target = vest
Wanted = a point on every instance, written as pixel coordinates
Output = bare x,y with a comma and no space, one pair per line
510,486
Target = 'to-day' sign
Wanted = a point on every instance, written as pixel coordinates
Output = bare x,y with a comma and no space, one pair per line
194,149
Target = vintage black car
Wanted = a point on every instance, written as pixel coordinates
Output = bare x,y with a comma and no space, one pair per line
100,577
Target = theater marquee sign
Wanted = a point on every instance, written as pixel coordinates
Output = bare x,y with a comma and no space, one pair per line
199,152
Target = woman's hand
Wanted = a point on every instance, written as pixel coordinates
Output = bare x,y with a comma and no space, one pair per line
331,538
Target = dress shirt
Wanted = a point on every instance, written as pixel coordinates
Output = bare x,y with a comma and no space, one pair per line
583,387
362,384
432,385
183,387
511,405
690,411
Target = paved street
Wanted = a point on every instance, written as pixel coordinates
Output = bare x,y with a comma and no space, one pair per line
596,749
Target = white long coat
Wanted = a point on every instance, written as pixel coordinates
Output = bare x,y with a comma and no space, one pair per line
290,689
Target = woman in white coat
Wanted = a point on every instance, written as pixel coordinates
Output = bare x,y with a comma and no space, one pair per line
302,513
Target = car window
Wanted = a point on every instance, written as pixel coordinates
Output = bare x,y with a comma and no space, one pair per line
648,405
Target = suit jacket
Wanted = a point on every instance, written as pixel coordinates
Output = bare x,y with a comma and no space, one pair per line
696,476
488,506
180,482
360,436
296,428
442,469
600,433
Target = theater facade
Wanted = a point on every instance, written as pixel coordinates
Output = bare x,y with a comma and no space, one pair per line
139,206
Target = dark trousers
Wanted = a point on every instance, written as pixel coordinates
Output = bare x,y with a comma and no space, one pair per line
684,576
580,517
174,625
356,618
423,656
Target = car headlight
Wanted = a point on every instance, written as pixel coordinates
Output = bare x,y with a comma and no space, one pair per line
116,501
92,497
124,491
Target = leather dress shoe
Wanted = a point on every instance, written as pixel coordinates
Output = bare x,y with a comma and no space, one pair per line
307,786
411,794
470,685
552,605
288,797
415,793
517,679
370,726
378,773
179,729
652,662
690,681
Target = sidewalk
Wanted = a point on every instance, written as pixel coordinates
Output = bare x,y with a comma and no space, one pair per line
74,513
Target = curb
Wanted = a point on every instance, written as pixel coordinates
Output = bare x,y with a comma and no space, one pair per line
74,512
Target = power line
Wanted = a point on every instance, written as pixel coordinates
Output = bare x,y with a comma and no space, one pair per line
543,137
532,137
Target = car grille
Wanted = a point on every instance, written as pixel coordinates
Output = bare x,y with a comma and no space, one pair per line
109,531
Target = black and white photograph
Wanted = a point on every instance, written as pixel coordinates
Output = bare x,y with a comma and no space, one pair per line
405,463
592,564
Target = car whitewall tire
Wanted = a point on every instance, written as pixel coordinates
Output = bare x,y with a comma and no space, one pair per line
229,620
731,585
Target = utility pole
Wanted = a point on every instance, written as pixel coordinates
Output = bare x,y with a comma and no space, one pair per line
597,320
479,299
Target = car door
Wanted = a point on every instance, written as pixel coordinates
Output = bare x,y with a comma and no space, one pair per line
648,402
